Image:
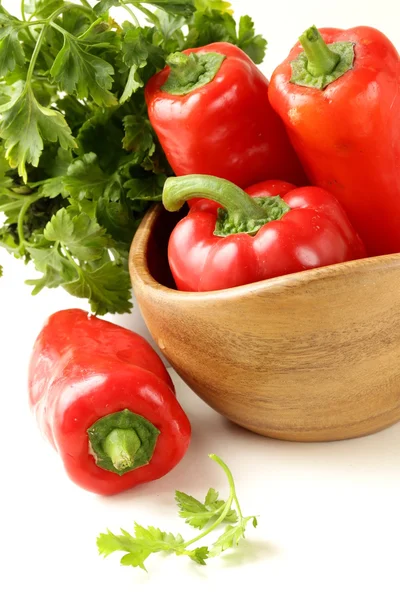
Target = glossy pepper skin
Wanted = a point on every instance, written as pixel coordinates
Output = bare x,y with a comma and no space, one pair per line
347,134
307,228
83,369
225,127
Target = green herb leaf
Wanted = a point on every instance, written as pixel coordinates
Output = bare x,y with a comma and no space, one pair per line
133,83
220,5
75,129
105,5
197,514
138,135
57,270
11,51
56,169
25,124
86,180
101,135
177,7
135,47
138,547
199,555
76,70
193,511
83,237
108,288
146,541
169,27
43,8
231,536
254,45
117,219
149,189
212,26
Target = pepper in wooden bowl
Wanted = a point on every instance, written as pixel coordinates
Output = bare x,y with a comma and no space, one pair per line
306,356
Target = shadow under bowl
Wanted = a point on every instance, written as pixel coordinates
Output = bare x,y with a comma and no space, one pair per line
311,356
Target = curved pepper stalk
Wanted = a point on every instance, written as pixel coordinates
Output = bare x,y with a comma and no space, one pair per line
321,64
241,213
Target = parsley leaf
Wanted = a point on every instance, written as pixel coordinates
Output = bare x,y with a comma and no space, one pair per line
107,287
83,236
79,161
57,270
86,74
149,188
146,541
92,274
231,536
176,7
25,124
214,23
42,8
11,51
105,5
198,514
86,180
138,135
133,83
220,5
254,45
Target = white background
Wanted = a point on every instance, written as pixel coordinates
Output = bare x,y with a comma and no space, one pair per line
329,523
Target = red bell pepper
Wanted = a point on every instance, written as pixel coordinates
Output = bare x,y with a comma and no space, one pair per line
209,108
105,401
272,230
338,94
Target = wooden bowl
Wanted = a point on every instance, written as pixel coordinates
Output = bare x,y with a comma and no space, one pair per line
311,356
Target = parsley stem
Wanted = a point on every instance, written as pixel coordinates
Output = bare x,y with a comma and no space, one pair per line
89,29
35,55
86,4
34,23
18,202
229,475
130,11
23,10
60,29
69,6
21,217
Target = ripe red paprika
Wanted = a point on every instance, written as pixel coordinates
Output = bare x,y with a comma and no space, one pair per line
338,95
273,229
209,108
105,401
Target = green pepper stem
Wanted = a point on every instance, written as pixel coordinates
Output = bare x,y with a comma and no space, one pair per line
186,68
121,446
189,72
177,190
321,60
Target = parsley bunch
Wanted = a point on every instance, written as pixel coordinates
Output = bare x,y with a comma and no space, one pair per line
79,161
205,515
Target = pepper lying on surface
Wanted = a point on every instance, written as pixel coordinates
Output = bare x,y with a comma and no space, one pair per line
103,398
273,229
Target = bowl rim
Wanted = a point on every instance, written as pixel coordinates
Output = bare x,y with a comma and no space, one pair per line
139,270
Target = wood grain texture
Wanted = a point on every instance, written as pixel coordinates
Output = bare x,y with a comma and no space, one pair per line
311,356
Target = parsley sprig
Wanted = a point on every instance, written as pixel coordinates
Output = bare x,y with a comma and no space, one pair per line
79,161
207,516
